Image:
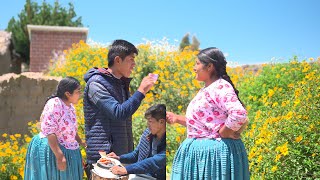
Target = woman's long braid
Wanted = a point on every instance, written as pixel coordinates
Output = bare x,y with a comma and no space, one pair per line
223,73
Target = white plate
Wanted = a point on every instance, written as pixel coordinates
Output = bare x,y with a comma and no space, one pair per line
116,162
104,173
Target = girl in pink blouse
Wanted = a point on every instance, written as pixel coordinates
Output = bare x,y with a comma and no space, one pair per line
214,119
54,153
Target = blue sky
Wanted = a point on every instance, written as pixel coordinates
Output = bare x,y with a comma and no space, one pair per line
249,31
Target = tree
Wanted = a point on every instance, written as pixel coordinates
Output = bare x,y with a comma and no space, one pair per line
35,14
195,44
184,42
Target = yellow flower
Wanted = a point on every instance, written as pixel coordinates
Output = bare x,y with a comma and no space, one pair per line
13,177
275,104
179,107
298,139
277,157
34,130
283,149
251,155
15,147
12,138
83,152
3,168
21,171
289,115
15,159
274,168
259,159
8,151
181,130
178,139
17,135
4,135
296,102
290,85
270,92
27,139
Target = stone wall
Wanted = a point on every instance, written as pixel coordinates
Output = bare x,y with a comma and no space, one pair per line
22,98
5,55
5,62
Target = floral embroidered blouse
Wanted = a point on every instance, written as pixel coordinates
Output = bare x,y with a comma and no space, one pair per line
60,119
213,107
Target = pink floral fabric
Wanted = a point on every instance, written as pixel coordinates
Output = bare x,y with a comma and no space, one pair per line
57,118
213,107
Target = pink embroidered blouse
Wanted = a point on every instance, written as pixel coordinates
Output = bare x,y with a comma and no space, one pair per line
213,107
60,119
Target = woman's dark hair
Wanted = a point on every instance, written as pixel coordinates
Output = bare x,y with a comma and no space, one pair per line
68,84
215,56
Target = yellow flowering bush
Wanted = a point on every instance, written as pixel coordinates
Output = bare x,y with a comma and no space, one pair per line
175,87
282,99
284,108
12,155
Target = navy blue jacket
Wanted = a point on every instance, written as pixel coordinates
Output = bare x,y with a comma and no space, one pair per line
108,110
141,160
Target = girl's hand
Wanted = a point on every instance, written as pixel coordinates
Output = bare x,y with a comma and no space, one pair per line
61,162
83,144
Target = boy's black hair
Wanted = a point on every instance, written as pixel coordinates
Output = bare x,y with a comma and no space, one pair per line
157,111
121,48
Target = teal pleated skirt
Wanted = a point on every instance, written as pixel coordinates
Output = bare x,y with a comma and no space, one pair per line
209,159
41,162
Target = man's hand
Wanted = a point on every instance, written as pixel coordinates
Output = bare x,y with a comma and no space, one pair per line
119,170
113,155
146,84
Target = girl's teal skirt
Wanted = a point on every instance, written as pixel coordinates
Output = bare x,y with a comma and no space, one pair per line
41,162
199,159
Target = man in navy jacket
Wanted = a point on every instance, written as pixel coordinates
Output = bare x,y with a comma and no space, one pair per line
150,155
108,106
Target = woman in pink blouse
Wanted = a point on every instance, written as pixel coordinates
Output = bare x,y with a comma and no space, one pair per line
214,119
54,153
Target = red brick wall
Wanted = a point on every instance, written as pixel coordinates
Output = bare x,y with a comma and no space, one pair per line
44,43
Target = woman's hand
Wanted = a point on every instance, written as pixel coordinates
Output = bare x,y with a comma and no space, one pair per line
172,118
61,162
225,132
54,146
243,127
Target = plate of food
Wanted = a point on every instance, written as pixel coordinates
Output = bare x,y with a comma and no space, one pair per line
106,162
